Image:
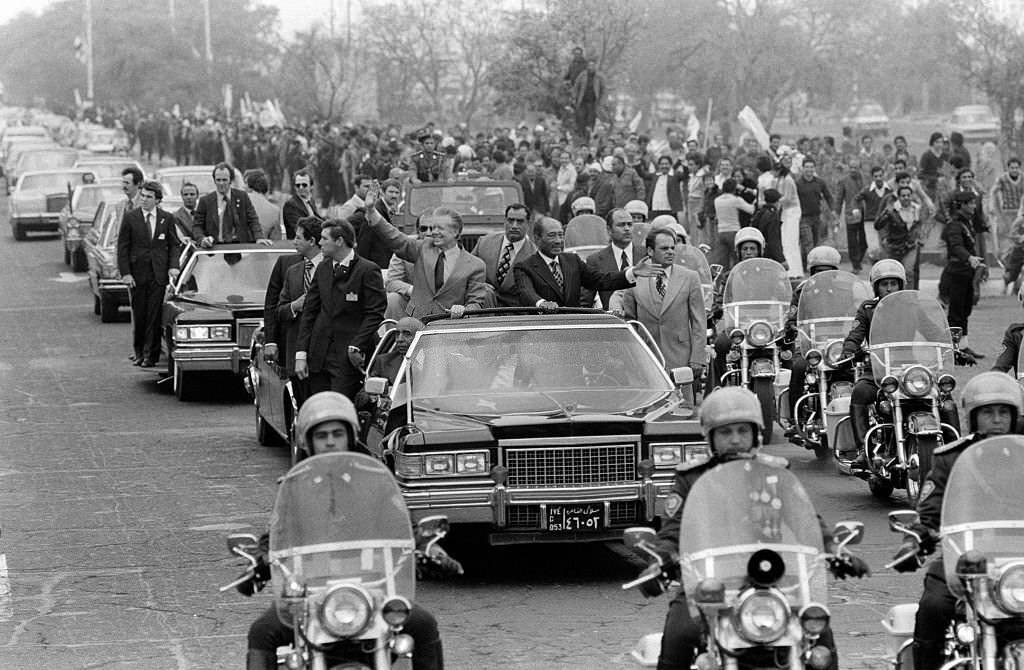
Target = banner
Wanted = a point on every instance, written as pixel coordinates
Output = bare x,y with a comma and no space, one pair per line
748,119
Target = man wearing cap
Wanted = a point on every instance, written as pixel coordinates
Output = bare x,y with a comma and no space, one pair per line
501,251
427,162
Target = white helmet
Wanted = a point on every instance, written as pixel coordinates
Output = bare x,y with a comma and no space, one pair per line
823,256
729,404
326,406
991,388
749,234
668,221
580,204
887,268
636,207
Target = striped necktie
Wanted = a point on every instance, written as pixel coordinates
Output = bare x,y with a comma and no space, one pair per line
307,275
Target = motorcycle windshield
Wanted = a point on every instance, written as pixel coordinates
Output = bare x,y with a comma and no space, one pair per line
586,230
741,507
828,303
983,506
909,329
1020,366
340,518
757,289
692,259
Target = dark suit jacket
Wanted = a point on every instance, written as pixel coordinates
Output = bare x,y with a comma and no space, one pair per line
147,258
293,210
286,322
675,194
608,260
535,281
183,229
369,245
343,309
537,199
489,249
240,218
603,193
271,332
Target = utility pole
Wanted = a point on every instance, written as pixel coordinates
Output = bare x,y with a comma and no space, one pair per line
88,52
170,11
209,48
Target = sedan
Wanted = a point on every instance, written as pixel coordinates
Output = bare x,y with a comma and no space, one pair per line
77,217
39,197
976,123
109,292
108,167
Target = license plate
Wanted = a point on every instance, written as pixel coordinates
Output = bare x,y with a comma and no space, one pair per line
570,518
762,367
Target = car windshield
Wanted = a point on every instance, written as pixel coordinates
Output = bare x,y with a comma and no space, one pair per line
88,199
973,116
497,371
109,222
172,182
46,160
232,278
106,170
472,200
52,182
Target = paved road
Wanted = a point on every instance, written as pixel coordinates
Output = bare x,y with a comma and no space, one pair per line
115,500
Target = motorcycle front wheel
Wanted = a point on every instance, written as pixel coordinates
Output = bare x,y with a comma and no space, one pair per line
765,392
923,446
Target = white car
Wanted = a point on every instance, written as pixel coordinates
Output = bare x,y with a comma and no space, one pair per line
36,202
866,118
976,123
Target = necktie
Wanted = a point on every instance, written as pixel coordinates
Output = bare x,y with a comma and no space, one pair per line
149,224
337,267
224,233
659,284
439,272
557,273
624,262
307,276
504,263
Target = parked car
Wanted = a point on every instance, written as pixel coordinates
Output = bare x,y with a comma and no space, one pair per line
867,118
39,197
110,294
172,179
976,123
481,203
12,149
108,167
101,140
540,427
37,159
215,308
77,217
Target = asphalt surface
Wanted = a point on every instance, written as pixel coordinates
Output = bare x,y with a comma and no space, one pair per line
115,501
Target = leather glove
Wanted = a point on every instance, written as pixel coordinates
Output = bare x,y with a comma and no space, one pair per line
436,564
259,579
929,539
910,550
848,565
717,313
653,588
964,359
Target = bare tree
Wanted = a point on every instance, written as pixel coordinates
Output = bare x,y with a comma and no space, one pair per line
320,75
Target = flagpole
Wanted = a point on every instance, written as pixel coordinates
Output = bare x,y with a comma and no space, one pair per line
88,51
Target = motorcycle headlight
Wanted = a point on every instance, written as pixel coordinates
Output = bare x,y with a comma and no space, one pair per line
917,381
762,616
759,334
813,358
834,352
946,383
1009,589
395,611
736,336
346,610
814,619
889,384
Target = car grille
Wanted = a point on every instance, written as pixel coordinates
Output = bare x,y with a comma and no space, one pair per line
57,202
621,513
245,330
559,467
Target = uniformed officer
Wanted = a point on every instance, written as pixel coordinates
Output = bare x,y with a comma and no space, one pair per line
1007,360
993,404
730,419
427,162
749,243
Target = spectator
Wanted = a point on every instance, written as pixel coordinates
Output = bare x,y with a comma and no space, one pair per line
267,212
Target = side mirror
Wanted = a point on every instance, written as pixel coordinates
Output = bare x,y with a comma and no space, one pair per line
682,376
634,535
376,385
903,518
246,543
848,532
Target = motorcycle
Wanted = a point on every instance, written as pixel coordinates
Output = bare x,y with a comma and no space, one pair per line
983,557
755,303
343,562
911,352
825,315
753,569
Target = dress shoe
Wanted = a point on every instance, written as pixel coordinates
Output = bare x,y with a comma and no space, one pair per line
148,363
972,353
137,361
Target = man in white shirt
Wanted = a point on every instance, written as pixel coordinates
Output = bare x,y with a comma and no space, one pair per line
565,178
666,195
362,185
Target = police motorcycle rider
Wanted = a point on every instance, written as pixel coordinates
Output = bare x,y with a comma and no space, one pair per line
327,422
819,259
731,421
993,403
1010,354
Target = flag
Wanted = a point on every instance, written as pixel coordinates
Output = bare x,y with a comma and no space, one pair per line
635,123
748,119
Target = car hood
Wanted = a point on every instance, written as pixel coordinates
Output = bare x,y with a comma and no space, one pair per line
230,303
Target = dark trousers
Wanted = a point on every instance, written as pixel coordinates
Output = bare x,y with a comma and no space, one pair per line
267,633
586,116
147,300
959,291
936,609
682,637
797,382
810,235
723,253
856,244
337,374
723,345
863,396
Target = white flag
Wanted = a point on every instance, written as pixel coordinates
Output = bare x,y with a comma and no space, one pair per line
748,119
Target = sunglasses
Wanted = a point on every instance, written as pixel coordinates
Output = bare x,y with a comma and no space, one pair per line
511,220
424,229
302,186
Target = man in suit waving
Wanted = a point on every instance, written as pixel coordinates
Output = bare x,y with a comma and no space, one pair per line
147,257
227,214
551,278
501,251
670,307
340,315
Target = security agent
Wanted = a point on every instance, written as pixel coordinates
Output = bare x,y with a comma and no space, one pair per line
993,404
730,419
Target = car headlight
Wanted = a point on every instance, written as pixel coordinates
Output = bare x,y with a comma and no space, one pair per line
666,455
762,616
917,381
834,352
439,464
472,462
192,333
1009,589
346,610
442,464
759,334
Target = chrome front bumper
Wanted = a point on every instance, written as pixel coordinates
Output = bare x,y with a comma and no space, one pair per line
211,357
38,221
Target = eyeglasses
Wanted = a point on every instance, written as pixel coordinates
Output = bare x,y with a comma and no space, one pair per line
302,186
424,229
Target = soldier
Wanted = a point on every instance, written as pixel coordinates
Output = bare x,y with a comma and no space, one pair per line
426,163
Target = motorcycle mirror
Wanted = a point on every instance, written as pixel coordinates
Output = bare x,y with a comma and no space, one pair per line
682,376
633,536
902,518
376,385
385,326
245,542
433,525
848,532
716,270
956,333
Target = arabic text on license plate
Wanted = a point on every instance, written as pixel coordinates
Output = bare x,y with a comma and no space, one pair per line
575,517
